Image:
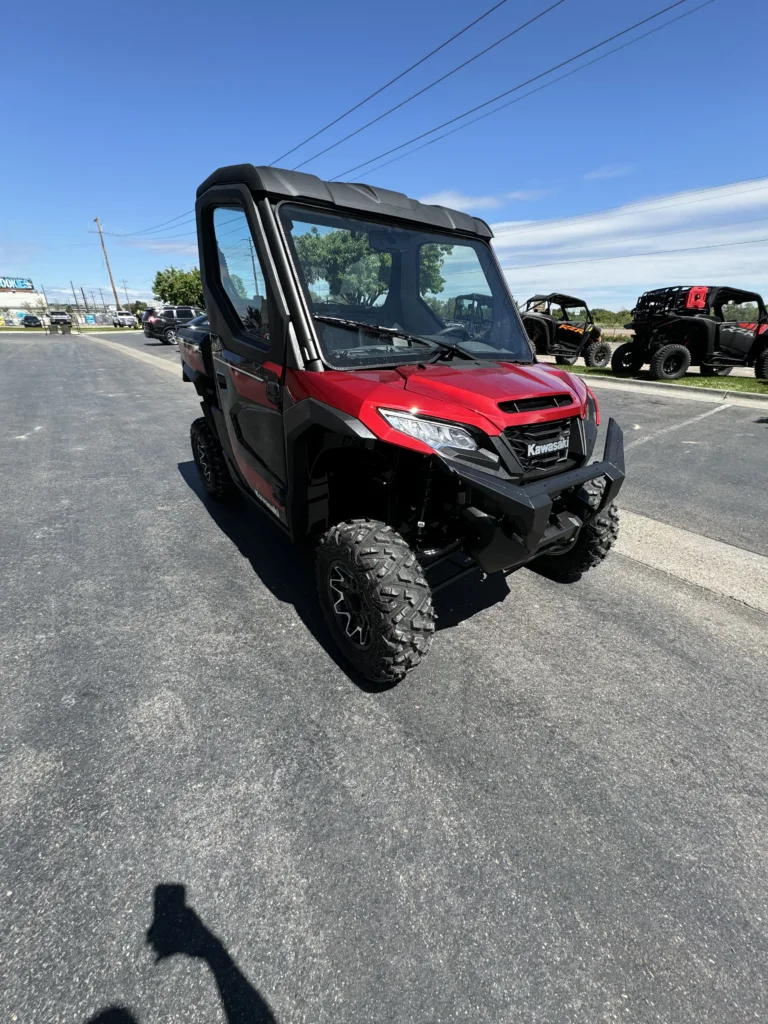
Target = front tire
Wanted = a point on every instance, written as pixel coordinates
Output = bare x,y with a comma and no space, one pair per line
592,546
376,602
537,336
209,459
670,362
626,360
598,354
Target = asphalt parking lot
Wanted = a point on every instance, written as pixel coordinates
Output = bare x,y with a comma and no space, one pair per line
559,817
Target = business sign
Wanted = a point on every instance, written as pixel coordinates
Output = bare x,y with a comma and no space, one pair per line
16,284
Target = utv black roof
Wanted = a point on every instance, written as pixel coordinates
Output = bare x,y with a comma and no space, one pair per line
278,183
708,287
557,297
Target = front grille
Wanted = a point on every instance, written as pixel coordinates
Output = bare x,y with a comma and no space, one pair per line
521,437
536,404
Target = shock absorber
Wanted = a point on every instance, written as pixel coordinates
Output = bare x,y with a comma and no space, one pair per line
421,521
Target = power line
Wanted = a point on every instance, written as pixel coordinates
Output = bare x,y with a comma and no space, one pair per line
635,255
390,82
431,85
514,88
154,227
546,85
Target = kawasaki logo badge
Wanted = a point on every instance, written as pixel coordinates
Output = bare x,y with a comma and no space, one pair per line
560,445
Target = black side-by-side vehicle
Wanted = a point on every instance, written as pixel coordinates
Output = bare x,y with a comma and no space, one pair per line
712,327
562,326
409,449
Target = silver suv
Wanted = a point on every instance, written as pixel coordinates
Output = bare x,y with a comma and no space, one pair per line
122,318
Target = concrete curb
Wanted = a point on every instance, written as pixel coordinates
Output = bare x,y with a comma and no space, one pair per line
679,390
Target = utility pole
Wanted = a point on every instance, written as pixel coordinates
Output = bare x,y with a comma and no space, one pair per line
74,295
103,303
42,289
106,260
93,300
85,301
125,289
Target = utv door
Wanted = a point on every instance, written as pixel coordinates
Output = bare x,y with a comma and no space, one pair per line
247,320
741,321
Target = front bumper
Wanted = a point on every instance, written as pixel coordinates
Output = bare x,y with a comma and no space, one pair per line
528,524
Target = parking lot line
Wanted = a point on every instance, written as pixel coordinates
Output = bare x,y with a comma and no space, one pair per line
675,426
144,357
720,568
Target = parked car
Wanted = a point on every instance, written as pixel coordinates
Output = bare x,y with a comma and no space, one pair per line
122,318
562,326
30,320
59,317
408,449
709,326
192,340
163,323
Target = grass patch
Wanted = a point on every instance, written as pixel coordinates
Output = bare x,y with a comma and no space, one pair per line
693,380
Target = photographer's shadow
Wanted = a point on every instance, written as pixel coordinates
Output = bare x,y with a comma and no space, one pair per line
176,930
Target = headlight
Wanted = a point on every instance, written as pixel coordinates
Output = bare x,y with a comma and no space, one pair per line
436,435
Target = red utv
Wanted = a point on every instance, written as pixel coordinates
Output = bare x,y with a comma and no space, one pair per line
712,327
340,395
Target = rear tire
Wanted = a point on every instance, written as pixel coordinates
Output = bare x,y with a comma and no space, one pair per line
376,602
761,365
597,354
670,362
169,336
209,459
591,548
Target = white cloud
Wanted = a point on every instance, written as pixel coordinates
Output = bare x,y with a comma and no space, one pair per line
610,257
609,171
529,194
458,201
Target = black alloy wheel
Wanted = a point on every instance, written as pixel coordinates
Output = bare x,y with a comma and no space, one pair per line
670,362
626,360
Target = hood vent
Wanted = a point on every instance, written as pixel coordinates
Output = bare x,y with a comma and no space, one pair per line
537,404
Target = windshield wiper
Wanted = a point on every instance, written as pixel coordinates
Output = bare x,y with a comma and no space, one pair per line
392,332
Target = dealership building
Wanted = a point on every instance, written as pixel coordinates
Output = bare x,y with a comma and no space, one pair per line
18,296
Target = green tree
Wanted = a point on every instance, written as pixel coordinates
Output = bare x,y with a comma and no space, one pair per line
431,281
609,318
179,287
355,273
238,285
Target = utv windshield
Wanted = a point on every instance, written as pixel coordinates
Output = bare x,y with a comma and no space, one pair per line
386,295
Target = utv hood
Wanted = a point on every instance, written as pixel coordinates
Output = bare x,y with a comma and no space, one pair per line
480,387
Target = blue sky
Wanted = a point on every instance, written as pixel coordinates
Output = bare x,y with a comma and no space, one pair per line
121,110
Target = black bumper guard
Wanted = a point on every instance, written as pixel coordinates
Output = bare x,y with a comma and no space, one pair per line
529,507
